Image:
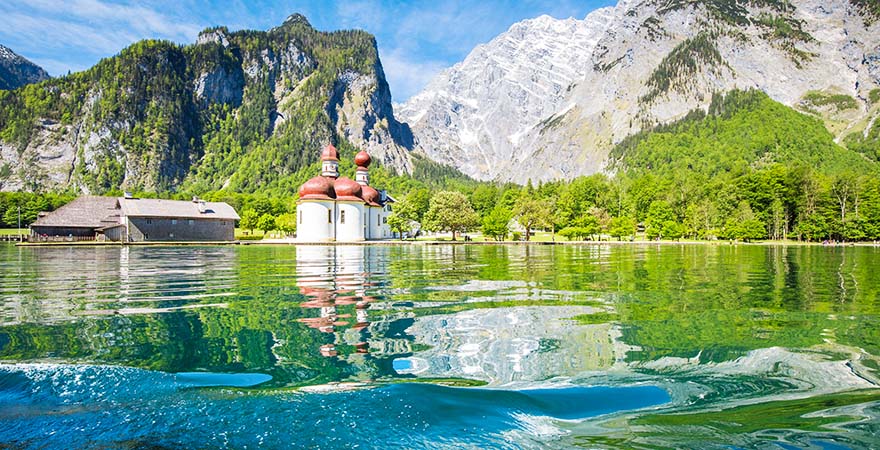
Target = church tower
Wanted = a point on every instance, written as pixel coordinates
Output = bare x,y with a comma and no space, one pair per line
330,162
362,160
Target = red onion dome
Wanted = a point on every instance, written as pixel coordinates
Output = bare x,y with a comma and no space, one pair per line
363,159
370,196
329,153
318,188
348,189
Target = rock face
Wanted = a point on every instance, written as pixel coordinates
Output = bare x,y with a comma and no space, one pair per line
238,110
360,106
549,98
16,71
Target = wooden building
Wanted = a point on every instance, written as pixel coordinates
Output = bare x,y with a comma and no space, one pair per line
127,219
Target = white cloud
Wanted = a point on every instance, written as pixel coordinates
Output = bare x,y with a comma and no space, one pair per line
46,31
407,76
106,15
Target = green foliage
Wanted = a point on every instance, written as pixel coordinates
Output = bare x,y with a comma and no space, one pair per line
580,232
622,227
495,224
867,144
681,64
484,199
450,211
733,12
249,219
869,8
399,224
747,230
31,205
266,223
840,102
660,216
803,414
532,213
409,210
286,223
874,96
742,130
158,134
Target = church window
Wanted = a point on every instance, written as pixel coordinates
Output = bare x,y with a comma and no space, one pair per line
329,216
341,216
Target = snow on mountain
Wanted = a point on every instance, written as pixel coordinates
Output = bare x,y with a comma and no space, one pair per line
549,98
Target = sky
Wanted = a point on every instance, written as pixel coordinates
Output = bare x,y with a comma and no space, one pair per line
416,39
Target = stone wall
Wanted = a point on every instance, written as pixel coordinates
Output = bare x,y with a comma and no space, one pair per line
168,229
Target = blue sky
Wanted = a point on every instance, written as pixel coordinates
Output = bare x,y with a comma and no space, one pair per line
416,39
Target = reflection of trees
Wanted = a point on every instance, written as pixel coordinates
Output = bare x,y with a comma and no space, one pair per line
719,301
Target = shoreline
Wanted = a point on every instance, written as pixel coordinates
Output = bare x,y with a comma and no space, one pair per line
290,242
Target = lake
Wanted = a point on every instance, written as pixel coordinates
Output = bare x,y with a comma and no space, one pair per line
441,346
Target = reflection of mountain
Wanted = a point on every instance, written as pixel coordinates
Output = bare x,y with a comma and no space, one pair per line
492,313
512,344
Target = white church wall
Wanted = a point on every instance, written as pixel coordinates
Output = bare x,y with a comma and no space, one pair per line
315,221
350,226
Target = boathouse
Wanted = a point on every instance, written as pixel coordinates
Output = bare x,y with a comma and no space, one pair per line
129,219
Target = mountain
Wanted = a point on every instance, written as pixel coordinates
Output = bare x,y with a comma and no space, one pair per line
16,71
549,99
245,111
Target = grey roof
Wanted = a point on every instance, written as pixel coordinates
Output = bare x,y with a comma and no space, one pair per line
149,207
88,211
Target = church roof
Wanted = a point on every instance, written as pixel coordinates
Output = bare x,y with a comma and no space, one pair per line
345,189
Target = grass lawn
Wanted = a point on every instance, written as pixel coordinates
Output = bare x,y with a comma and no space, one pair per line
13,231
242,234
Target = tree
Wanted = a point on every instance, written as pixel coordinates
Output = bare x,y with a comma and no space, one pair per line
659,213
621,227
286,223
813,227
484,199
450,211
532,213
673,230
418,202
495,224
746,230
266,223
411,209
249,220
399,223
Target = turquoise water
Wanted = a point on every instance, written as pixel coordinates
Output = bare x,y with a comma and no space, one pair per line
440,347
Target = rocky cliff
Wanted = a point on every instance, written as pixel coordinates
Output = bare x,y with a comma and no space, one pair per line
549,98
17,71
238,110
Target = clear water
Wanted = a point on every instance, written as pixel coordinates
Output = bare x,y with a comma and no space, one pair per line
440,347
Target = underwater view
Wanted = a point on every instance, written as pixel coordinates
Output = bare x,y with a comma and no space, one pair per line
440,346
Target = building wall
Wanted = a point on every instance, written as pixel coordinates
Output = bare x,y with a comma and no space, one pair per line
350,221
384,231
315,221
115,234
169,229
362,222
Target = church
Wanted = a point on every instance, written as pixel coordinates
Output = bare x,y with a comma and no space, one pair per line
338,209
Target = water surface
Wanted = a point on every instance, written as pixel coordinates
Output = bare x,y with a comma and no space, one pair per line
440,346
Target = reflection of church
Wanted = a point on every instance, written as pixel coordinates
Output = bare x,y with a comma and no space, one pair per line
334,281
334,208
